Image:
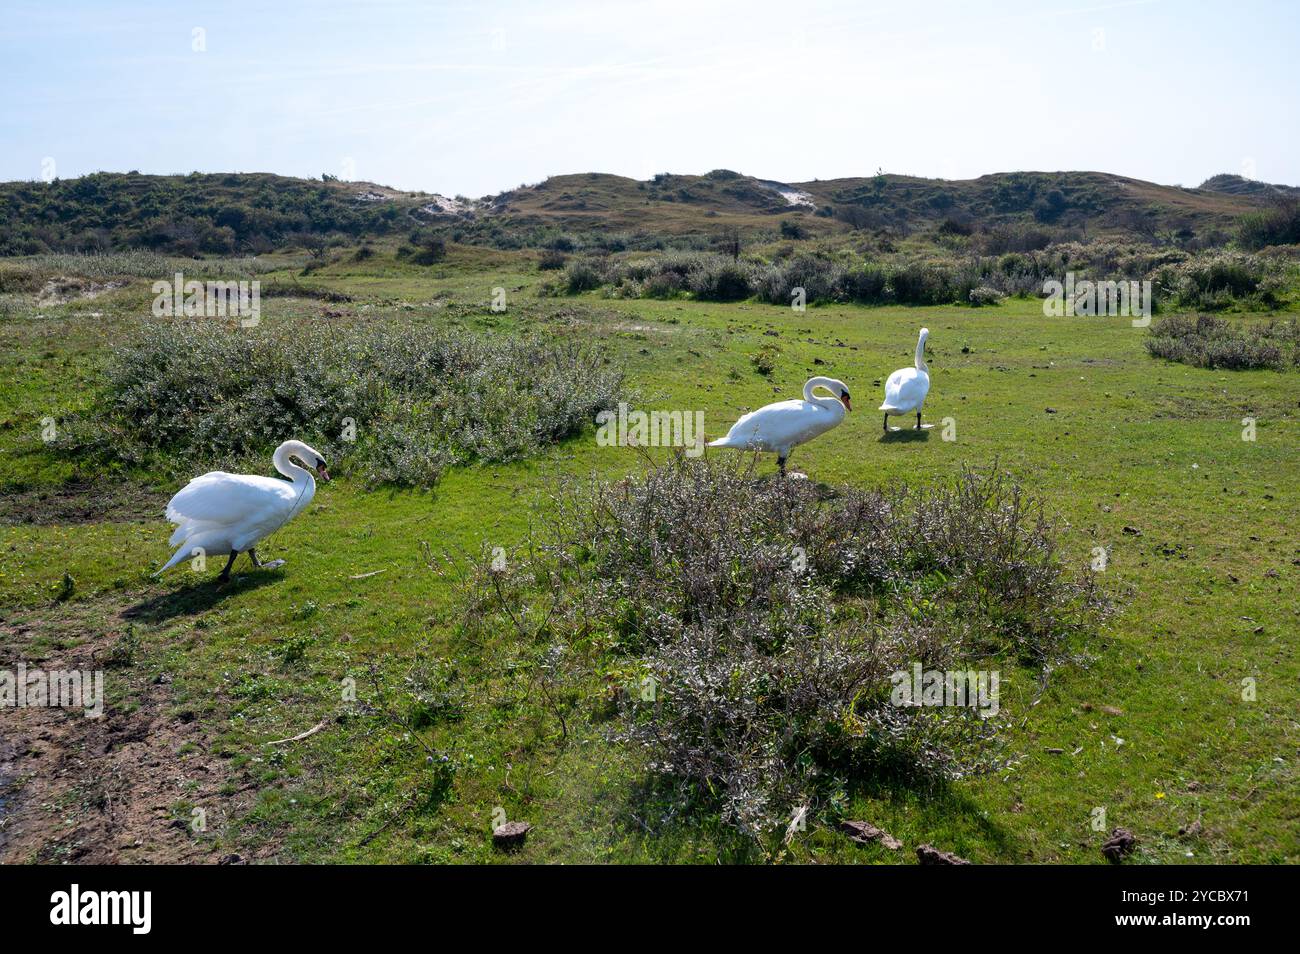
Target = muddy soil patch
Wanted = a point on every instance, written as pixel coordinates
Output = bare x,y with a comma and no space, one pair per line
83,503
117,789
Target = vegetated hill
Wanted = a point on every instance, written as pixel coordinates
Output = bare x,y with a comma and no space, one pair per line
192,214
668,198
1088,202
257,212
1085,202
1230,184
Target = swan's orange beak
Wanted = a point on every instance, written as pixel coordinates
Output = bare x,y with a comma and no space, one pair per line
322,471
844,399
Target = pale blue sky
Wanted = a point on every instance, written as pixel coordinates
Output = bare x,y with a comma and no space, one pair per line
474,98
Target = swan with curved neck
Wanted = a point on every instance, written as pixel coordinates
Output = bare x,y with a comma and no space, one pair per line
219,513
777,428
906,388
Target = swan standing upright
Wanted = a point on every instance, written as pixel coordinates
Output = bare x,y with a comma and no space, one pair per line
906,388
222,513
776,428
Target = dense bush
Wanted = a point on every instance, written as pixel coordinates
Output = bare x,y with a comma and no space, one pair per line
418,398
581,276
1208,342
429,251
984,295
1013,238
1216,281
934,283
720,279
663,285
820,278
552,260
867,284
1277,225
769,619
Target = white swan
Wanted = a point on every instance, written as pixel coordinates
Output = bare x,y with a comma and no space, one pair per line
222,513
778,427
906,388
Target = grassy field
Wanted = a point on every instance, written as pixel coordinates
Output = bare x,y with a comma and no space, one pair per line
1141,457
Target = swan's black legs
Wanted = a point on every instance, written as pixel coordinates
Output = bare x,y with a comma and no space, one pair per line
225,574
886,422
780,462
252,555
918,420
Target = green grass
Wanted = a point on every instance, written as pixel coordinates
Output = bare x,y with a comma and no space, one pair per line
1209,583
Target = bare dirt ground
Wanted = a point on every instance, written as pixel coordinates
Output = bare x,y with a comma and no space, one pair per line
110,790
82,502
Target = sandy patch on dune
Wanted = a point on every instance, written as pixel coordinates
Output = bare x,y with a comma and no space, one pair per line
61,290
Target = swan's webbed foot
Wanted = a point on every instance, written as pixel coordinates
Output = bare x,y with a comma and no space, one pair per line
264,566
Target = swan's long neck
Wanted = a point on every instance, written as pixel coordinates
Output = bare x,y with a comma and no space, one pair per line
920,355
290,468
830,403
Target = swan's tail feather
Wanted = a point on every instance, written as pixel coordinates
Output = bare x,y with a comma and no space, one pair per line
191,528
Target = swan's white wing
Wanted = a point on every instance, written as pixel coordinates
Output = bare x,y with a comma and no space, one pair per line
225,499
905,390
780,426
222,513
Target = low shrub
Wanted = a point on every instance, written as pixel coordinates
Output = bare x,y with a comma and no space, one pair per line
769,617
1216,281
1205,341
1277,225
663,285
821,279
867,284
419,398
984,295
720,279
552,260
581,276
430,251
919,283
1013,238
